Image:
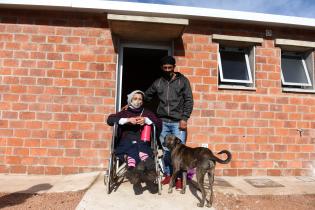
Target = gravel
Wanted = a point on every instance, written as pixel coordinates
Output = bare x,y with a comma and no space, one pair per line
69,200
46,201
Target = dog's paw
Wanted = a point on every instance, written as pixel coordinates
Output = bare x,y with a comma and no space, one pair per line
170,190
200,204
208,205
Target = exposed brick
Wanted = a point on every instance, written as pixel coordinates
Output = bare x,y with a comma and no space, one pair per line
58,87
53,170
38,152
70,170
35,169
18,169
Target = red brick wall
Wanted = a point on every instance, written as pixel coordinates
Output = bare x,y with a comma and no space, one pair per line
57,73
260,126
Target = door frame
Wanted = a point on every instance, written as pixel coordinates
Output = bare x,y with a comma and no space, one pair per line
119,71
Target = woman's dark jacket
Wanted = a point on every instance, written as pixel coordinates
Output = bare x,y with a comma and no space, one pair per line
129,135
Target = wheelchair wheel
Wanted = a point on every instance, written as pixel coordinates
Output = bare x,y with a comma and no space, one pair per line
158,173
109,178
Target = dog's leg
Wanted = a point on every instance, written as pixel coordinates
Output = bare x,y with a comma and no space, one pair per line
211,180
172,181
200,179
184,182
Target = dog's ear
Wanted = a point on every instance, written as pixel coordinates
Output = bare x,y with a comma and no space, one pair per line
167,136
178,141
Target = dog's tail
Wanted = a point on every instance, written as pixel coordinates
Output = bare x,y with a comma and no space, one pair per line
227,160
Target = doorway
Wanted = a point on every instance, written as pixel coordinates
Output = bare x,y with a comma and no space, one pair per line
139,67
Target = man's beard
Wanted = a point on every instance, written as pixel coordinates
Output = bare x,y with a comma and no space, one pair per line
167,75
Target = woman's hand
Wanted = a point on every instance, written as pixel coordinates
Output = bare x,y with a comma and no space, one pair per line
133,120
140,120
136,120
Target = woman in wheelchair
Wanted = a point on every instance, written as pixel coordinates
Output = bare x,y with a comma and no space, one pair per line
136,151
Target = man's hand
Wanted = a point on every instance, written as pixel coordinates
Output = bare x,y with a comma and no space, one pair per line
182,125
124,107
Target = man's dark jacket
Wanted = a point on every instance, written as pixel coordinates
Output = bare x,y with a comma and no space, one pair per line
175,98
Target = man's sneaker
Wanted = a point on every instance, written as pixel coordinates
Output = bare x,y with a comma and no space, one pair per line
166,180
179,184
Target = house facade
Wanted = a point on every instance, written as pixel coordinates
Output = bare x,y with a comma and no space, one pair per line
65,67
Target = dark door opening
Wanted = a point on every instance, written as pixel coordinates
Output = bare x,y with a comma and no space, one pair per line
141,66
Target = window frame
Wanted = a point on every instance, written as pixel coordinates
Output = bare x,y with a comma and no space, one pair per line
250,71
305,68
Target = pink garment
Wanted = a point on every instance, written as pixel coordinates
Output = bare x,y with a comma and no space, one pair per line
143,156
131,162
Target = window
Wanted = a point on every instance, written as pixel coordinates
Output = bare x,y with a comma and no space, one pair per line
294,69
236,61
235,66
297,65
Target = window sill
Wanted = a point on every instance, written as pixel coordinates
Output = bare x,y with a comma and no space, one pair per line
297,90
236,87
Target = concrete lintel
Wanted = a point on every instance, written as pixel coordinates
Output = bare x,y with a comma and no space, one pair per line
295,43
146,28
247,39
176,21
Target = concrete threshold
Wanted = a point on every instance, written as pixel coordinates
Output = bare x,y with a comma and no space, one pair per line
124,197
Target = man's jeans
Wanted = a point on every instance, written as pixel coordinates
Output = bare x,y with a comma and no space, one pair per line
170,128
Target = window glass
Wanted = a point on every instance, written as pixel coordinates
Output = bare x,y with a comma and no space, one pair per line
293,69
234,65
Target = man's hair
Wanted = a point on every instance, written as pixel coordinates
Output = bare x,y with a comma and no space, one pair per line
167,60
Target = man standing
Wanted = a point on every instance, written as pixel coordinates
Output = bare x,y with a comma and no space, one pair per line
174,109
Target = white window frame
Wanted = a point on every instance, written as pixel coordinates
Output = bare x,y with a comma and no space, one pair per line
306,71
249,70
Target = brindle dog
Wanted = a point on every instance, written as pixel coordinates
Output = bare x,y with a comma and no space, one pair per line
184,158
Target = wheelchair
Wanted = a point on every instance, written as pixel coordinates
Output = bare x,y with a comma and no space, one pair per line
117,168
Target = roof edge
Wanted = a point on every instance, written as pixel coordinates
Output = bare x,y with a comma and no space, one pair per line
134,8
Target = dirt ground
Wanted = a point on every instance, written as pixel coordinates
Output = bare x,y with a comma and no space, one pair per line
19,201
221,202
264,202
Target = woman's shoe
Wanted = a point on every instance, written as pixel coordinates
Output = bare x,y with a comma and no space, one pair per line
132,175
150,175
140,166
149,164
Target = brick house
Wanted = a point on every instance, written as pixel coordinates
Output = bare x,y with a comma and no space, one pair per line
65,66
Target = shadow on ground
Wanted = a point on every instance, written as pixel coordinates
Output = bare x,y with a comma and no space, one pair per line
19,197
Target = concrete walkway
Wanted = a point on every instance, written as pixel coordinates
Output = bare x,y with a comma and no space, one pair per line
125,198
